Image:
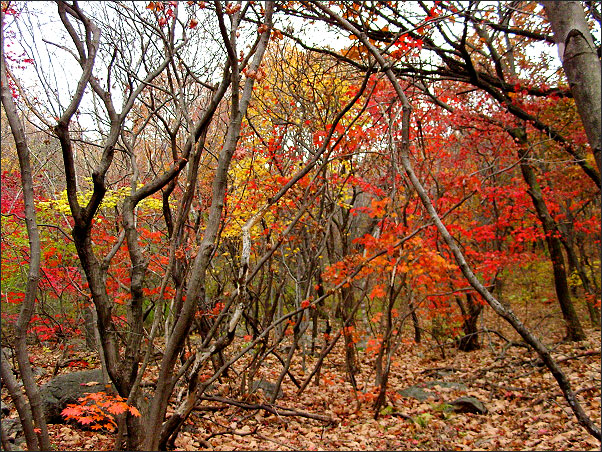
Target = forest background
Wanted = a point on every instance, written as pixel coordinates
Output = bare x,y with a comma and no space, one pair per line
333,202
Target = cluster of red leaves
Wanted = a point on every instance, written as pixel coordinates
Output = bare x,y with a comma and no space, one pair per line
98,410
47,329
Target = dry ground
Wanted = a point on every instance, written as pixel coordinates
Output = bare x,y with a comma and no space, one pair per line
526,408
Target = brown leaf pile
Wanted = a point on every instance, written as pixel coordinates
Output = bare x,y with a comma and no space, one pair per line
526,410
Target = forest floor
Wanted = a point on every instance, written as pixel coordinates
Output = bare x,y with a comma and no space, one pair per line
525,408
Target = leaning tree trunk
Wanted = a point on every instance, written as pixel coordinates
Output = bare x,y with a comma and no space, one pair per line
33,275
581,65
504,312
23,409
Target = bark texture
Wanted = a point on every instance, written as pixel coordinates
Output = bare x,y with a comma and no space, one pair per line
33,273
581,65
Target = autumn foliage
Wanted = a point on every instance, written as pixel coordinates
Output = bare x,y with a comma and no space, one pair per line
98,410
227,208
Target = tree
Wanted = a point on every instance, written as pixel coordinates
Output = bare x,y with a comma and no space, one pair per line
227,188
581,63
35,404
506,313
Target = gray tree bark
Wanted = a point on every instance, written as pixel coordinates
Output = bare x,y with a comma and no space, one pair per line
195,295
10,383
581,65
33,274
574,330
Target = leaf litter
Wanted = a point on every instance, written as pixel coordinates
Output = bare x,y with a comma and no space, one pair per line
526,410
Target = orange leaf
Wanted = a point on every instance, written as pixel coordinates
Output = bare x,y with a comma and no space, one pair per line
118,408
134,411
72,411
231,9
378,291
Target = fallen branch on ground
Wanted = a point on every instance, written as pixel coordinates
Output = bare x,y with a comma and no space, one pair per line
274,409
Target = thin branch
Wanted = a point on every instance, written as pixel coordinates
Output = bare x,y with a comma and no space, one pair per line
270,408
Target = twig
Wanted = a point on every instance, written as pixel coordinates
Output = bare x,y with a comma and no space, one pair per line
212,408
539,363
589,388
580,355
231,432
274,409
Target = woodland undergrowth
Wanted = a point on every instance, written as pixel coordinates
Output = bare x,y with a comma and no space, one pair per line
526,410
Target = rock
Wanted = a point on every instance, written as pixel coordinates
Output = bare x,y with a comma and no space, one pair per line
416,393
11,427
469,405
419,391
66,389
446,384
8,353
267,387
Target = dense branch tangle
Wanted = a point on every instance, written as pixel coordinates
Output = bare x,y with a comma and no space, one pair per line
242,192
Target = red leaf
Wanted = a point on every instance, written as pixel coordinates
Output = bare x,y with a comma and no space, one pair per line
71,412
85,420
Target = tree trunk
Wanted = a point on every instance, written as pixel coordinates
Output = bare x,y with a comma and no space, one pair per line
348,319
575,265
10,382
195,294
574,331
581,65
471,312
415,321
33,274
89,327
383,358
